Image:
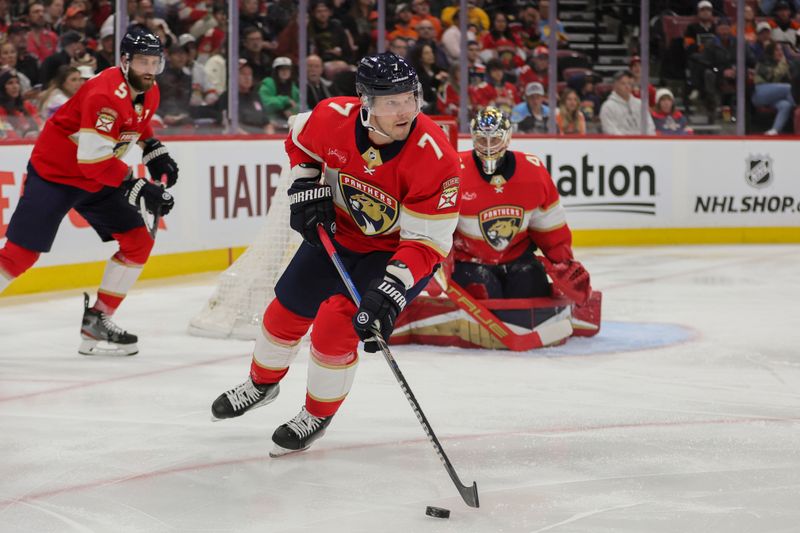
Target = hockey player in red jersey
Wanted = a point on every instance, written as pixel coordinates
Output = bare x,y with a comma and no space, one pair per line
383,180
510,207
76,163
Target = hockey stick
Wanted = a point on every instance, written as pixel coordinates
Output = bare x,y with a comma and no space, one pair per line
496,327
152,226
469,494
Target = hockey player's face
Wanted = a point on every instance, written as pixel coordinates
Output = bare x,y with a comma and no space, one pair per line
142,71
394,114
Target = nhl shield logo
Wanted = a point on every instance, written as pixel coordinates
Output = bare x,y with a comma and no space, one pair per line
758,172
500,225
373,210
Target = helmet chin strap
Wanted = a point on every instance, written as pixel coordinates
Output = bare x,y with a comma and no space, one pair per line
366,123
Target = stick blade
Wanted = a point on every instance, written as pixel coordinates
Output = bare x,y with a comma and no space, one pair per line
470,494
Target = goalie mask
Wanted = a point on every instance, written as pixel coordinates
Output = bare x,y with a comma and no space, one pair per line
387,85
491,134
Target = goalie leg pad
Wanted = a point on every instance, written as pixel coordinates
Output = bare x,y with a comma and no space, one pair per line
278,343
334,356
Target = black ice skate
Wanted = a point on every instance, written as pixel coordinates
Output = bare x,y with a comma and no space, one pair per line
242,398
299,433
101,336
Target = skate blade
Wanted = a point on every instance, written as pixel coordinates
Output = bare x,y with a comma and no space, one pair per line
280,451
103,348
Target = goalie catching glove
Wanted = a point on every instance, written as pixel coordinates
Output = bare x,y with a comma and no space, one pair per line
156,199
381,303
158,161
311,203
570,278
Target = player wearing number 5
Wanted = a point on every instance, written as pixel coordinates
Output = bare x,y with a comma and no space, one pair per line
76,163
383,180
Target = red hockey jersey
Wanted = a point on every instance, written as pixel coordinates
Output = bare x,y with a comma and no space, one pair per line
400,197
502,215
83,143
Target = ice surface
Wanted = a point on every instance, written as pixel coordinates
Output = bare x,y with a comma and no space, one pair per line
682,416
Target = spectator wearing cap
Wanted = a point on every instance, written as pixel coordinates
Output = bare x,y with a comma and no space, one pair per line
421,10
252,115
768,6
569,119
496,90
402,24
258,58
621,113
202,92
105,54
535,69
773,86
531,115
475,15
176,89
19,116
279,93
317,88
76,19
755,51
65,84
667,118
695,37
25,63
327,36
41,42
635,65
784,28
161,29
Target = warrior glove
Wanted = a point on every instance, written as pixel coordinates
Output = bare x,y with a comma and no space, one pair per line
156,199
311,203
381,303
159,162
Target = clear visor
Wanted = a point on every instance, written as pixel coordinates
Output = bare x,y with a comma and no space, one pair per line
404,104
489,147
143,64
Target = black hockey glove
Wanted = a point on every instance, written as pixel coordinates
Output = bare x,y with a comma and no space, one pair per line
156,199
311,203
381,303
159,162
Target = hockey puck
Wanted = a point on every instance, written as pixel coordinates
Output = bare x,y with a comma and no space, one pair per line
437,512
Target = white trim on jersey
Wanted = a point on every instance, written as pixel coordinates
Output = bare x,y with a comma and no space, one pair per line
548,219
93,147
434,231
298,123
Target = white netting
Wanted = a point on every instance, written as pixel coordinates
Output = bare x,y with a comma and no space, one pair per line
246,287
237,306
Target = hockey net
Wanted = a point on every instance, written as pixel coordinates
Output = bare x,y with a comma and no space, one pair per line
244,290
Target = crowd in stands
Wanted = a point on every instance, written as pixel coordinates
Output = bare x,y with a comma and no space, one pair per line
48,48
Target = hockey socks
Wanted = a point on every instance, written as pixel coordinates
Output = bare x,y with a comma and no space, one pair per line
14,260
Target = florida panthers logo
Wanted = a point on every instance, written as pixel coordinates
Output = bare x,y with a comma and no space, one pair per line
373,210
500,225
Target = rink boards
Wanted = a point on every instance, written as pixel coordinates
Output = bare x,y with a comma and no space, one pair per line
629,191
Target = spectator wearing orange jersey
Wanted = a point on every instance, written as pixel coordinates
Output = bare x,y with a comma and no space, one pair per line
421,10
402,26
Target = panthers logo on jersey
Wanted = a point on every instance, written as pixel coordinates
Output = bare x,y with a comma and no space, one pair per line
500,224
373,210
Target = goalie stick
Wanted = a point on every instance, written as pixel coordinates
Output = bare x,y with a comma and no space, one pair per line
497,328
469,494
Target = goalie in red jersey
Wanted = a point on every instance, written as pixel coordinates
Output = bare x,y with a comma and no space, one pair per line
77,163
383,180
509,208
